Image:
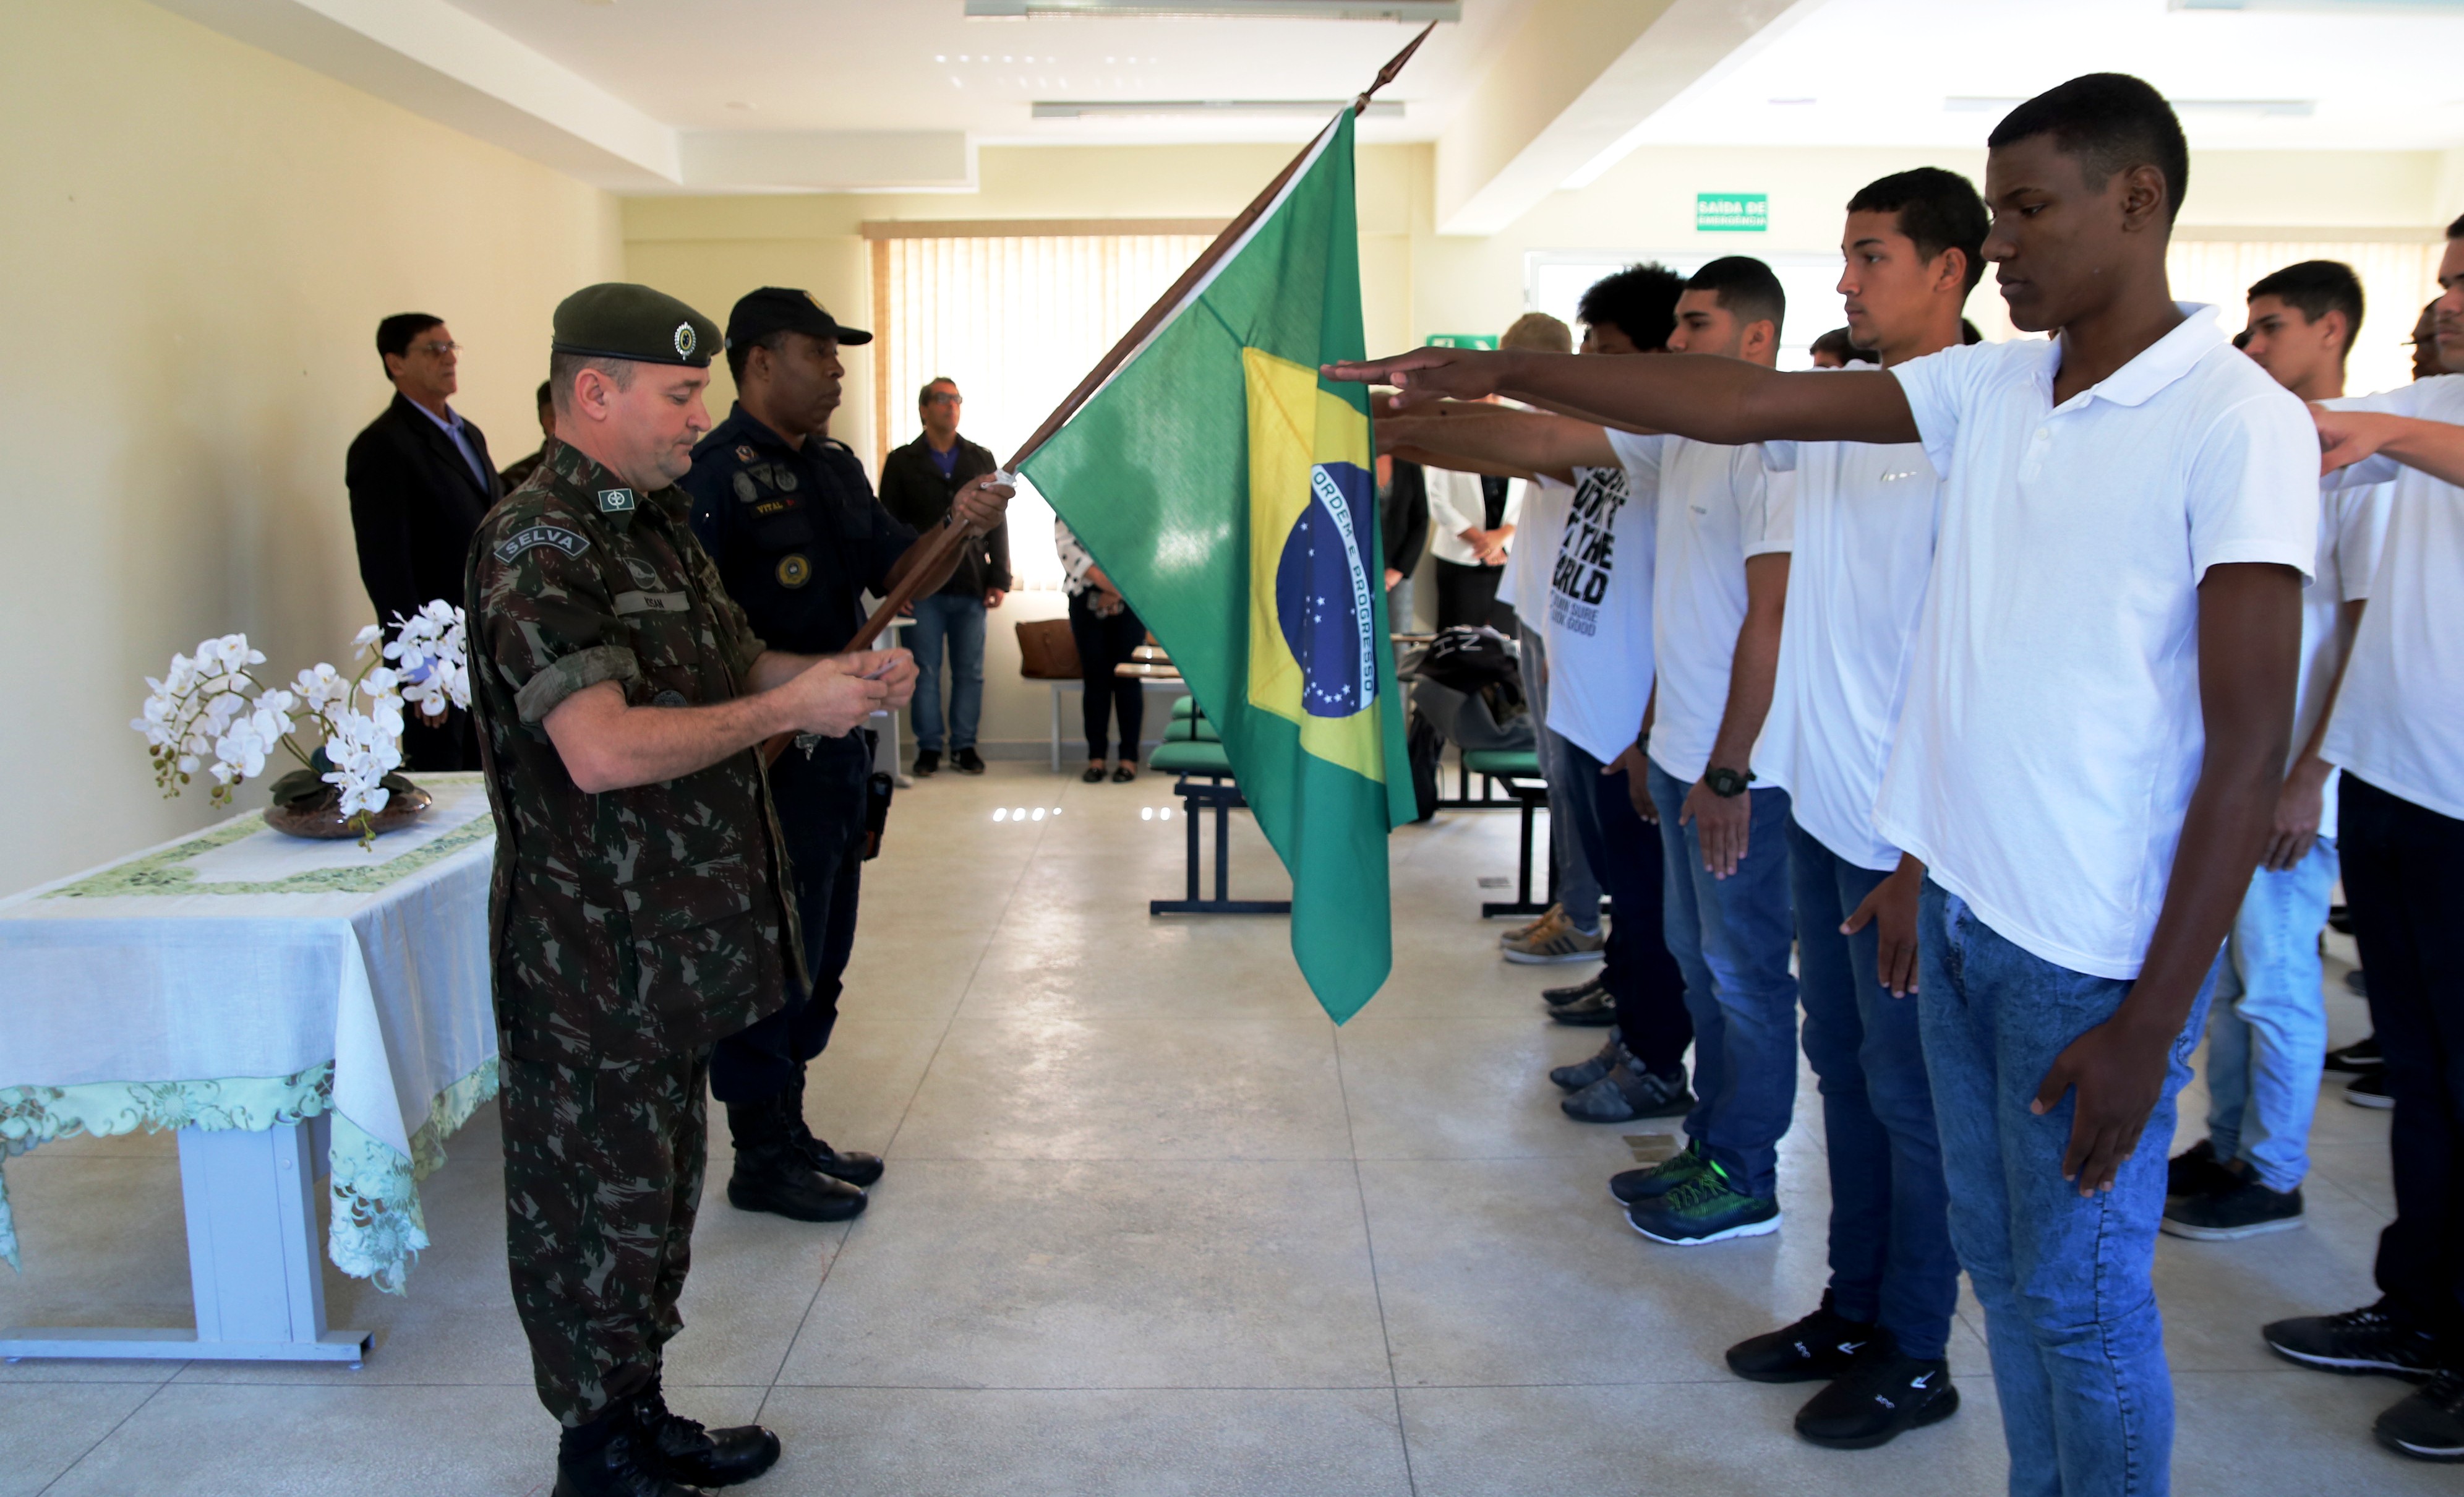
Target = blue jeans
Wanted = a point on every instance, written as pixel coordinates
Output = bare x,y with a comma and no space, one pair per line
960,621
1891,1260
1730,938
2267,1031
1578,892
2070,1310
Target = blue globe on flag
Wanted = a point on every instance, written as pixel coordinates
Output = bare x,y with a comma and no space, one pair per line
1323,603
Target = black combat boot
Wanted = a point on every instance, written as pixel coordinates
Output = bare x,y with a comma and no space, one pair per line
772,1175
856,1169
612,1456
684,1451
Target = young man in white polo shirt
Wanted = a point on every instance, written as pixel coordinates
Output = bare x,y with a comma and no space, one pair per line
2098,717
2398,734
1866,522
2267,1026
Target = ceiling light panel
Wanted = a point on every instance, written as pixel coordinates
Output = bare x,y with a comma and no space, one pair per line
1415,12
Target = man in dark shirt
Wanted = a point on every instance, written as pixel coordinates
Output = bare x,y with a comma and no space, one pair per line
420,481
519,472
798,538
918,483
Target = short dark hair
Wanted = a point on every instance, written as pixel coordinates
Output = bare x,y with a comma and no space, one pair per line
1968,333
2318,287
562,369
548,392
1639,301
2455,229
1937,211
1836,342
740,349
1744,286
2110,121
925,395
395,333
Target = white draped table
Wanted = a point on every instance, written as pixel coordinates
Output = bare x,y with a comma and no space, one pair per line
295,1009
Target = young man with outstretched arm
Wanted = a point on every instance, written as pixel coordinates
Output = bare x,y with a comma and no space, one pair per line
2267,1027
1866,524
2398,734
2096,728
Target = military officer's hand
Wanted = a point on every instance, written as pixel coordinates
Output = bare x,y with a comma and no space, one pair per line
981,503
832,697
893,669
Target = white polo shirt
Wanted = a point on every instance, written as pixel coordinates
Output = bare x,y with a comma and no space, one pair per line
1717,506
1597,614
2052,732
1865,522
2399,721
1540,518
2352,532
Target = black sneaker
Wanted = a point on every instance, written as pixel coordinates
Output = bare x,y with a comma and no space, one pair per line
928,762
1593,1010
2244,1208
968,762
2371,1339
2362,1056
2428,1426
1626,1093
2196,1171
1628,1187
1820,1346
1704,1209
2369,1090
1582,1073
1560,997
1878,1398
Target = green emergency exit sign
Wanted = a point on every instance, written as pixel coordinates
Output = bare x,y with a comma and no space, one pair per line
1731,212
1463,339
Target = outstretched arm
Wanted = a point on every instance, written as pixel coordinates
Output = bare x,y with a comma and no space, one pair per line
2250,640
1510,441
2348,436
1710,398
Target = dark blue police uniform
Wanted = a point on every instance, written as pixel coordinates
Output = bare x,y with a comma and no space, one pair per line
798,538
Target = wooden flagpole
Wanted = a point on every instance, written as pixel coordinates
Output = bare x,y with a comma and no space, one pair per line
953,535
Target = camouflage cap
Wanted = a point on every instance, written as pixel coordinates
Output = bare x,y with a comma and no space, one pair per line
616,320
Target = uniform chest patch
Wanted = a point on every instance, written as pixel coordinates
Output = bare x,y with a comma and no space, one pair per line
743,455
794,571
557,536
644,573
616,502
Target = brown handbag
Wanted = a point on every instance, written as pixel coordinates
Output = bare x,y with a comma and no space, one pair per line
1046,650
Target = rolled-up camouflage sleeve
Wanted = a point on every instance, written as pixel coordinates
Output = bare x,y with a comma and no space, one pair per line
548,620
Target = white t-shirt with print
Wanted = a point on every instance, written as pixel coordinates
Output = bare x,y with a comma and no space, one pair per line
1717,506
1540,509
1865,522
1597,617
2052,732
2399,720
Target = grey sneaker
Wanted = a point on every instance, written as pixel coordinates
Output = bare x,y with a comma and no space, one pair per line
1583,1073
1596,1009
1556,940
1626,1093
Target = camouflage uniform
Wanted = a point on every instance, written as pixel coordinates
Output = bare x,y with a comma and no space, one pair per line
628,931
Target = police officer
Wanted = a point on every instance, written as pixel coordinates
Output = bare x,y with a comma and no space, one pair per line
798,538
640,907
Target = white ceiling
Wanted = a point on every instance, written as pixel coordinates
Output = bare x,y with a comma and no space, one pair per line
1877,73
921,65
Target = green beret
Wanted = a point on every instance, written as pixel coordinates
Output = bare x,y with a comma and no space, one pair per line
616,320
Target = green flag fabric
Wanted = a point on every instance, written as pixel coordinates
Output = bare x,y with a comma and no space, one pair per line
1231,497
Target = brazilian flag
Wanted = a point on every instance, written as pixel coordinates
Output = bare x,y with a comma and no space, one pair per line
1230,496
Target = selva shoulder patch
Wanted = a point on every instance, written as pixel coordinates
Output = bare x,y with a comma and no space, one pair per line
557,536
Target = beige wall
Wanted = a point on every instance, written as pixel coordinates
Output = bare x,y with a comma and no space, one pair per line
198,243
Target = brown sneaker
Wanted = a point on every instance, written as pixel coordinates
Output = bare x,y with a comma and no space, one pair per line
1556,940
1525,930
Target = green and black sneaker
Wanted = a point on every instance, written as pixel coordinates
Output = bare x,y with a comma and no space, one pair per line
1627,1187
1704,1209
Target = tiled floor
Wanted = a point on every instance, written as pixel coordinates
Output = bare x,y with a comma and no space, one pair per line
1153,1226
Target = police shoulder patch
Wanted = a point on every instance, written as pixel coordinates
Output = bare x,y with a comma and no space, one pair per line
743,453
534,535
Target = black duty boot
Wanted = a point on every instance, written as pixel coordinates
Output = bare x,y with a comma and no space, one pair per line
684,1451
856,1169
772,1175
612,1457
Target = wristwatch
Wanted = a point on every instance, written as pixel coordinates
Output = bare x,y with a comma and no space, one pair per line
1726,784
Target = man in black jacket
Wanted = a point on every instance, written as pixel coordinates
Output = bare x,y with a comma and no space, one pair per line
917,482
420,481
1403,524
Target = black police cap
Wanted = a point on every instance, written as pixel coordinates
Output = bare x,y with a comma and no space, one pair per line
617,320
782,309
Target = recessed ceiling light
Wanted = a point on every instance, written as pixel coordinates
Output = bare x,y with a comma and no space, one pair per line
1805,99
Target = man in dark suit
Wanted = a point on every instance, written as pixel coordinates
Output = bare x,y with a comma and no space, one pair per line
420,481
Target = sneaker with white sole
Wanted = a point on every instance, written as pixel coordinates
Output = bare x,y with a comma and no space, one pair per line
2430,1424
2374,1339
2230,1212
1552,913
1557,940
1704,1209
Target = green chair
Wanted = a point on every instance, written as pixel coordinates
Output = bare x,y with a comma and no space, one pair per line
1520,771
1192,757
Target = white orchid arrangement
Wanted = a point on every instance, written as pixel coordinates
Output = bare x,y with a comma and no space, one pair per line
213,713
